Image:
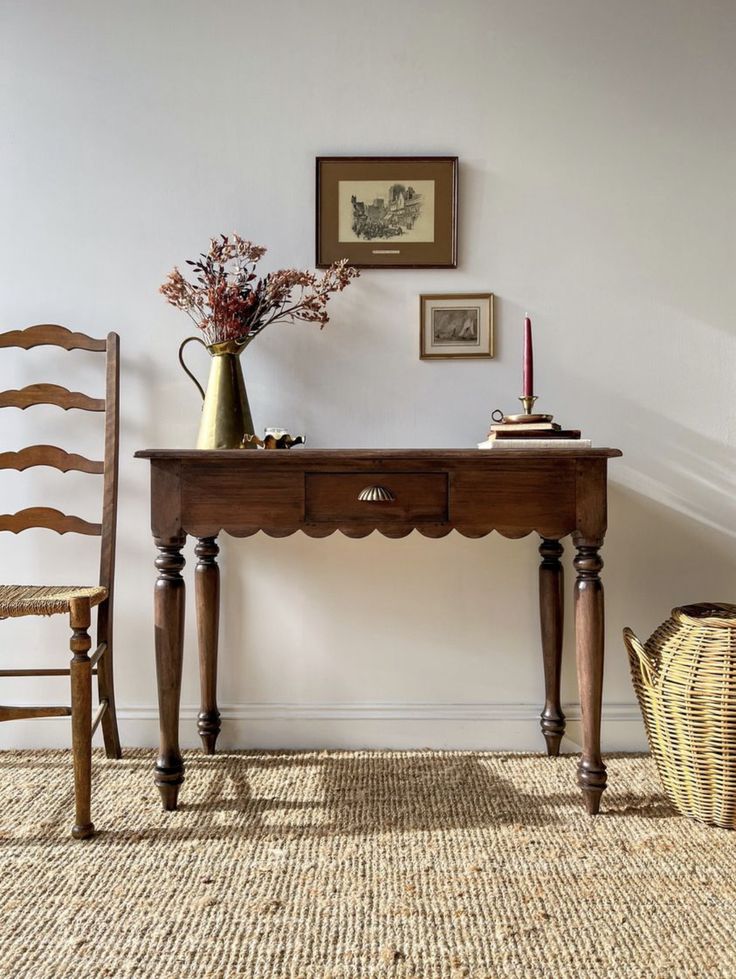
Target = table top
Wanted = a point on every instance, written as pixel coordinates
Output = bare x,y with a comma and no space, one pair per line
554,492
300,456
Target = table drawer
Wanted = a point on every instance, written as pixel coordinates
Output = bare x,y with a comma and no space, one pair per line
216,492
376,497
517,496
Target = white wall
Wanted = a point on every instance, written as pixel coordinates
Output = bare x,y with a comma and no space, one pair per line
597,159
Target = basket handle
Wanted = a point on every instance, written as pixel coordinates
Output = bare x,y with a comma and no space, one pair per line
635,646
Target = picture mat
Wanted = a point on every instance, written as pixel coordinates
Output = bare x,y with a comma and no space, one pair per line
369,191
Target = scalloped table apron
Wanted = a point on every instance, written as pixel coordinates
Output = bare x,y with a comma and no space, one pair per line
551,492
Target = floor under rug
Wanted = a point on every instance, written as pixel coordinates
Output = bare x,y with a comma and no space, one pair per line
353,865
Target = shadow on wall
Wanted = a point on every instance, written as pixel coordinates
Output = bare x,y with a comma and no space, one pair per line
677,466
673,520
383,631
658,557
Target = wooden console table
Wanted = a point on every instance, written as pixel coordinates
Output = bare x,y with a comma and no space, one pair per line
553,493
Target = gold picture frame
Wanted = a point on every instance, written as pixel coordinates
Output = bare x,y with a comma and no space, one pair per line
456,326
397,212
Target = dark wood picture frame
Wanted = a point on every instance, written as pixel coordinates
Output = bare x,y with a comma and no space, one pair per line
377,253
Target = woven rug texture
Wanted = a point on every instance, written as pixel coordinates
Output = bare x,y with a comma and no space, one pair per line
355,865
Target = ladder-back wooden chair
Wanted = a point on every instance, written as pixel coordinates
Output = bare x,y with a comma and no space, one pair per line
77,601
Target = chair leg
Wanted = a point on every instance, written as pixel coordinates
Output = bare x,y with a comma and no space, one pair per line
81,681
106,684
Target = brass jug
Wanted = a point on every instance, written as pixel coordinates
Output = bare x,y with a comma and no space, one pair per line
226,417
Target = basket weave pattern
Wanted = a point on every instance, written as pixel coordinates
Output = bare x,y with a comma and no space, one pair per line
685,681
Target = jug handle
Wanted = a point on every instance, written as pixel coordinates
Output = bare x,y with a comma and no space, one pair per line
634,645
184,366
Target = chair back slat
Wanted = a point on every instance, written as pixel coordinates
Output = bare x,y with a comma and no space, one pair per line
49,455
50,394
46,518
51,335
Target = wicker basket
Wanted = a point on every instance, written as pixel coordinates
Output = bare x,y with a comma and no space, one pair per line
685,681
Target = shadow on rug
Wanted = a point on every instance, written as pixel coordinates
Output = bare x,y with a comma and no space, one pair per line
352,865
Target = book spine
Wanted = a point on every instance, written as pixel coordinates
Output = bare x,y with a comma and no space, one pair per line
547,427
568,434
501,444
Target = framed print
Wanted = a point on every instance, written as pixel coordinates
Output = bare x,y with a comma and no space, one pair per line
397,212
456,326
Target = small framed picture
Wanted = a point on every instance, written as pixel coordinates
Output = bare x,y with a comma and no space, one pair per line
456,326
396,212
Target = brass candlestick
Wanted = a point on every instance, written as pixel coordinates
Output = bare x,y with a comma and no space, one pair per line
525,420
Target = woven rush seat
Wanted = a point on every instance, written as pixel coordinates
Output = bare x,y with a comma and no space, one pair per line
17,600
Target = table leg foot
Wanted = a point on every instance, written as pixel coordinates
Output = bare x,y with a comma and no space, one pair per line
592,780
208,725
553,728
168,779
169,797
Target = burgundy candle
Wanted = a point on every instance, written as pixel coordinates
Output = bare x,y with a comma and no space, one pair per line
528,391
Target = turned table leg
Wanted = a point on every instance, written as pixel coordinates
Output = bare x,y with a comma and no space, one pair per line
550,614
589,646
169,633
207,589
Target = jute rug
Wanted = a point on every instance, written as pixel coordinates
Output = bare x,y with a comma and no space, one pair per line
434,865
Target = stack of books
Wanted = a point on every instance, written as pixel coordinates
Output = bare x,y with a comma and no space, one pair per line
533,435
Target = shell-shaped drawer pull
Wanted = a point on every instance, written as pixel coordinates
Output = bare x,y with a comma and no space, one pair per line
376,494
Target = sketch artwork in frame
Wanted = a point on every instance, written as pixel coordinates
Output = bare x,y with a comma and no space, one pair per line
457,327
387,211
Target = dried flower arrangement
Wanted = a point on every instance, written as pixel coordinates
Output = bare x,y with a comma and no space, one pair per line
230,302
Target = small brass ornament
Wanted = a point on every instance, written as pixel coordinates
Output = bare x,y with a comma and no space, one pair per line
274,438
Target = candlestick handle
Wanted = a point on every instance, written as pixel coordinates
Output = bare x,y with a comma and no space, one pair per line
528,401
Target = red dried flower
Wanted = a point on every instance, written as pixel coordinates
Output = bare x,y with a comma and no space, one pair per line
230,302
